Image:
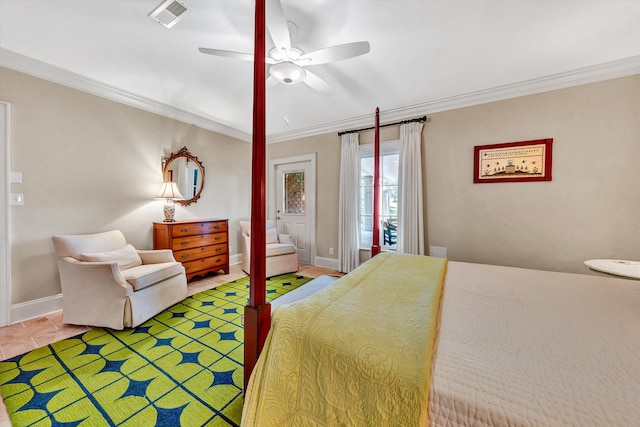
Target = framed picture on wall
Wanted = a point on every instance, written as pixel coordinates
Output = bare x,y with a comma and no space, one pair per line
513,161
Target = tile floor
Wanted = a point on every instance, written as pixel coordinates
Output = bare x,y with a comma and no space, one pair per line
31,334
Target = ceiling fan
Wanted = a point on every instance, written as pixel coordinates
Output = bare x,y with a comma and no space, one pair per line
288,63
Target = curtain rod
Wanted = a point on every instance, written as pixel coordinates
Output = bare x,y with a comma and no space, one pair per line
418,119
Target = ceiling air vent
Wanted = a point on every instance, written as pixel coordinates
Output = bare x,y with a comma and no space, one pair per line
169,12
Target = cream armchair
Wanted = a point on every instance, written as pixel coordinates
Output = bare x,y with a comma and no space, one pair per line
282,256
106,282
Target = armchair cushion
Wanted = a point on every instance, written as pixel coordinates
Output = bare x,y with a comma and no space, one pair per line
285,238
126,257
271,231
156,256
274,249
272,236
149,274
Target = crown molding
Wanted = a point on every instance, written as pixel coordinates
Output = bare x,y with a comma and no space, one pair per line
27,65
600,72
605,71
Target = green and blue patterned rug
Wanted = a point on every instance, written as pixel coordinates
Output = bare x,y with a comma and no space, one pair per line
182,367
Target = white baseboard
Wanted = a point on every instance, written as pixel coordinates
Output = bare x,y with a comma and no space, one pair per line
35,308
235,259
331,263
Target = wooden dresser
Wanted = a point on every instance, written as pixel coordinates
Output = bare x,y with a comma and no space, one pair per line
202,246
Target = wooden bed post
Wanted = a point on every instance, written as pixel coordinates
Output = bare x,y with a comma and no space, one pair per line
375,247
257,314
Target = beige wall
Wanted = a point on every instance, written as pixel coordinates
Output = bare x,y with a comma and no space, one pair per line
591,209
327,149
90,164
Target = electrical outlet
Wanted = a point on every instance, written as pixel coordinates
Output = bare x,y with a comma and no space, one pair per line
330,251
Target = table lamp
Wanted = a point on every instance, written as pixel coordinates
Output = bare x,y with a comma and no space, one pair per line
169,192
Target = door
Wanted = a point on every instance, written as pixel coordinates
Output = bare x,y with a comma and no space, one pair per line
295,204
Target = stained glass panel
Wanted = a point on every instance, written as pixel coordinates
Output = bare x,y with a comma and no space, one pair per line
294,196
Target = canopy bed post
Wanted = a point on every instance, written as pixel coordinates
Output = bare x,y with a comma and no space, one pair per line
375,247
257,314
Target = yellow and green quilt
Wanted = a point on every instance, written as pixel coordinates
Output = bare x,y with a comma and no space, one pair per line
357,353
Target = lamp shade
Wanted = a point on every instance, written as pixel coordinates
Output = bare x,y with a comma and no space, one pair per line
169,191
288,72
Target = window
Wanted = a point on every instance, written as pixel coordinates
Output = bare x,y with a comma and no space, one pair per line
389,155
294,197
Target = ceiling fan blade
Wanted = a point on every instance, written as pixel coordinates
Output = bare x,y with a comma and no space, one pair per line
277,24
335,53
233,54
227,53
316,83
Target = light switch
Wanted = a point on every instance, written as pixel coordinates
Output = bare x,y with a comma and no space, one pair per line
17,199
15,178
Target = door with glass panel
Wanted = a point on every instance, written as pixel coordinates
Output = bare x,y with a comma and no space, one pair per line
292,210
389,157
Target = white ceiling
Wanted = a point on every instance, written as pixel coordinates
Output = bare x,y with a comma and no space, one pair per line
425,55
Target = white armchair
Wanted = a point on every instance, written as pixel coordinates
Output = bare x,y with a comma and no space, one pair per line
282,256
108,283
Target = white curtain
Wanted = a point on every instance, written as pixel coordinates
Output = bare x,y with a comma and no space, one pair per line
410,234
348,220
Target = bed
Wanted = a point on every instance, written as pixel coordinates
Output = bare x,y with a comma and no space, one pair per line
511,346
410,340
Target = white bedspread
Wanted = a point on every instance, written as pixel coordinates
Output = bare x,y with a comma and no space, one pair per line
304,291
532,348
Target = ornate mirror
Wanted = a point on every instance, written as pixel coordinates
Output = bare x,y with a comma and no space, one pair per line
187,172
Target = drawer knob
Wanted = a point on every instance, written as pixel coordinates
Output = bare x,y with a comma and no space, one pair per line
218,237
184,243
218,249
217,227
185,256
219,259
184,230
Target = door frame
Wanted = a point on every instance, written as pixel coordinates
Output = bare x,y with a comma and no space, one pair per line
5,218
310,196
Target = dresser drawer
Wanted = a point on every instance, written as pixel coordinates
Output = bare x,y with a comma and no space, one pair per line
182,230
198,241
201,252
192,267
202,246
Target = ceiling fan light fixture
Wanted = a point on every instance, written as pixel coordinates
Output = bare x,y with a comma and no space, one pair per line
282,55
287,72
